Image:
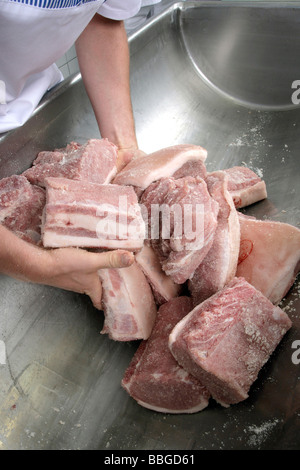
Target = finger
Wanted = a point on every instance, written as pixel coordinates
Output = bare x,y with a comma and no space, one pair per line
114,259
126,155
95,293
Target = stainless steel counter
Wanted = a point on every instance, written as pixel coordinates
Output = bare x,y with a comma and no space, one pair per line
215,74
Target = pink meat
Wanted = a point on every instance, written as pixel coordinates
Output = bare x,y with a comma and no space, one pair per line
84,214
245,186
269,256
95,161
162,285
183,234
143,171
226,340
219,265
191,168
21,207
154,378
128,304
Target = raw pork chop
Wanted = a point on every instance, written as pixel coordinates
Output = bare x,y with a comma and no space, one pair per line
269,256
245,186
143,171
94,161
83,214
128,303
226,340
162,285
182,219
154,378
21,207
219,265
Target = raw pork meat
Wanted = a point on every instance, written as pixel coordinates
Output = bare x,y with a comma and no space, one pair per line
182,219
21,207
128,303
219,265
191,168
95,161
163,287
154,378
143,171
226,340
84,214
245,186
269,256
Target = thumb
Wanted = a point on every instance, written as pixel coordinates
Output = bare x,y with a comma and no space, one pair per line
115,259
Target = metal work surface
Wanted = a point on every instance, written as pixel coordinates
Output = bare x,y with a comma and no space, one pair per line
215,74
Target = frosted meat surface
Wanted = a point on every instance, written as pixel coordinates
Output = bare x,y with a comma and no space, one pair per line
154,378
219,265
226,340
163,287
94,161
245,186
143,171
183,233
21,207
269,257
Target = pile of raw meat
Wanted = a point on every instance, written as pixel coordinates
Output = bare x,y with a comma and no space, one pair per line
202,294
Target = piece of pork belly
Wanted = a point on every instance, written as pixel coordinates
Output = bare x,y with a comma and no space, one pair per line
269,256
128,303
154,378
245,186
94,161
191,168
163,287
83,214
219,265
143,171
21,207
182,219
226,340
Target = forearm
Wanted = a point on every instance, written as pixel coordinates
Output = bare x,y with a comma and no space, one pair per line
19,259
67,268
103,56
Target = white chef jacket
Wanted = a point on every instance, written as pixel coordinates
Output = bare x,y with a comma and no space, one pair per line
34,34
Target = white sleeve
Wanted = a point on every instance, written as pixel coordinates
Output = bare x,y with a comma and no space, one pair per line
120,9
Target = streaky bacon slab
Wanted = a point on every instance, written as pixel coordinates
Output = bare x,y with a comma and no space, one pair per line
84,214
143,171
245,186
128,303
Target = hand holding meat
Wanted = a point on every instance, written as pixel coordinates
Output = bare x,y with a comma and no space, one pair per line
67,268
77,270
125,155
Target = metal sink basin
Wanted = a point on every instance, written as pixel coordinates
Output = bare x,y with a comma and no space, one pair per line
218,74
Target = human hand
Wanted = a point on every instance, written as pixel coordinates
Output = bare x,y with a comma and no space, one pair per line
77,270
125,155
